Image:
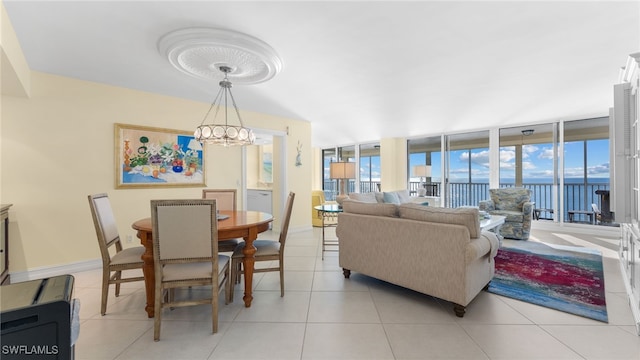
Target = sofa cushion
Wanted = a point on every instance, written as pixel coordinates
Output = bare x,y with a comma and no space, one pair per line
364,197
468,217
510,216
403,196
391,198
359,207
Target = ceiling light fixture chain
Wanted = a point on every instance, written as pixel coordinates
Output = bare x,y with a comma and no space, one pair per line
219,134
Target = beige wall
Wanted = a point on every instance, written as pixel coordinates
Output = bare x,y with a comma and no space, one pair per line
393,164
13,66
317,169
58,146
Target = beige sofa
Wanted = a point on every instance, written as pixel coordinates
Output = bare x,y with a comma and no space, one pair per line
436,251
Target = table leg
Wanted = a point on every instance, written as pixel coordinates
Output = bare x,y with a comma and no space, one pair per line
147,269
249,262
323,235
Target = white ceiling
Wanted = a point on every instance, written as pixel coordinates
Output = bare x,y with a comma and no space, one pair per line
359,71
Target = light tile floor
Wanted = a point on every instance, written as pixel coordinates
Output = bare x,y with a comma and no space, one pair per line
324,316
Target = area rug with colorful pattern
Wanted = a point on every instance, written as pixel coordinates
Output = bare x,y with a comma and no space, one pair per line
565,278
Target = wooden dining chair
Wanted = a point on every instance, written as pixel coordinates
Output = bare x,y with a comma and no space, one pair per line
185,254
266,250
226,200
108,238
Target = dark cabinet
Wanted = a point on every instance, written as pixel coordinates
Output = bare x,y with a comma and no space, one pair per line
4,243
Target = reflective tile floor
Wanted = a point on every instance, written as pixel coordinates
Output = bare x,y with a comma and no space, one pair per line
325,316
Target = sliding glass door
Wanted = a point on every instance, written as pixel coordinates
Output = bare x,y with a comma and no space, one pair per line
527,160
329,186
586,172
565,164
424,165
369,174
467,169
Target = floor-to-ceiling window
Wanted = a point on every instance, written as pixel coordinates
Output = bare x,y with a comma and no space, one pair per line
586,171
329,186
348,154
527,160
574,182
369,173
467,169
367,163
424,165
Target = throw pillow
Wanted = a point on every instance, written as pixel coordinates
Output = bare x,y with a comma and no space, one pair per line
391,198
403,196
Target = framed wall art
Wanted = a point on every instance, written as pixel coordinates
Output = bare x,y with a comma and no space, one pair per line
148,157
266,158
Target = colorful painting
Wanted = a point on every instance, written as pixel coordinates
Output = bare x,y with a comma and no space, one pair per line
156,157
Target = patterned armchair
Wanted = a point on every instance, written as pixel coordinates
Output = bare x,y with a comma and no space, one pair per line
515,205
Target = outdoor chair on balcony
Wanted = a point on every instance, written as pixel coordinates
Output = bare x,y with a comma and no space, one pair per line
515,204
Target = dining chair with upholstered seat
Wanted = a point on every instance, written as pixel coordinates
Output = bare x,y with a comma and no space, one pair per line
226,200
109,238
266,250
185,254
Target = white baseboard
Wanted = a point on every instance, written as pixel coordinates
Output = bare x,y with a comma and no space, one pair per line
49,271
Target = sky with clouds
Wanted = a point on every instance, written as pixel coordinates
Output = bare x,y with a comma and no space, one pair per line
537,162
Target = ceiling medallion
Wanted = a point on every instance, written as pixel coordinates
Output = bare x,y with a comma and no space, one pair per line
201,52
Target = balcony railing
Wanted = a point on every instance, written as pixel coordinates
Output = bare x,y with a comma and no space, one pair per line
576,196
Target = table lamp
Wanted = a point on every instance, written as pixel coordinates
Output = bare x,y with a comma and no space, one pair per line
343,171
422,171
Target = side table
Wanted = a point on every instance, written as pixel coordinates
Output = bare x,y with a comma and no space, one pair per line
493,224
328,212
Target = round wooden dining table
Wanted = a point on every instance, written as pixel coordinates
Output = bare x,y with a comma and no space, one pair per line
239,224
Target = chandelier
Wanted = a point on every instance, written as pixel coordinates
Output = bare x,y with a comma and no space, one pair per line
224,134
208,53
